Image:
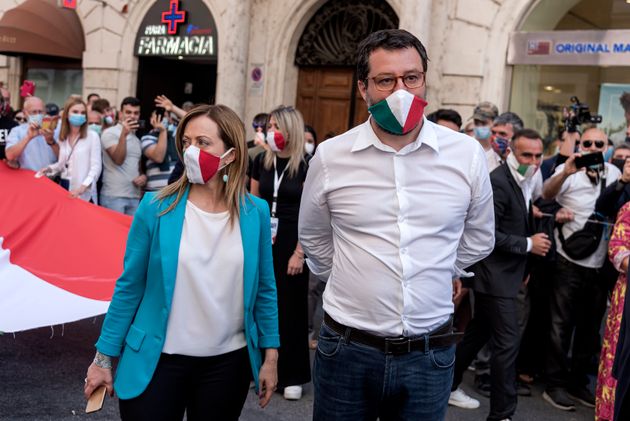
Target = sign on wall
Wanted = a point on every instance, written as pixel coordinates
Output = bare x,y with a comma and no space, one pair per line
177,28
574,48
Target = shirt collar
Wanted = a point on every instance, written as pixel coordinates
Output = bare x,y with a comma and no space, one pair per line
367,138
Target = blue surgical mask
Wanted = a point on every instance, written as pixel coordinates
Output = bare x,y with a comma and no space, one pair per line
172,128
95,128
608,154
36,118
77,120
482,132
109,120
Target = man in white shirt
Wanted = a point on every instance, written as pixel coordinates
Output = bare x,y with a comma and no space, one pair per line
121,161
578,292
392,211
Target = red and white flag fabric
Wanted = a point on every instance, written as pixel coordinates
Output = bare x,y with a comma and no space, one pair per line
59,257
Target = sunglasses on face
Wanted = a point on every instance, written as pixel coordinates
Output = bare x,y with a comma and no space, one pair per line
20,119
589,143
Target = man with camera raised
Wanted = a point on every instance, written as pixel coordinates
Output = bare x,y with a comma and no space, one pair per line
121,161
578,297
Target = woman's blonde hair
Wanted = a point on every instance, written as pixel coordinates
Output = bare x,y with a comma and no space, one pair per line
232,133
291,124
65,124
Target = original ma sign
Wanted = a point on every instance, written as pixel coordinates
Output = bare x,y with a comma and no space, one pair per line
574,48
177,28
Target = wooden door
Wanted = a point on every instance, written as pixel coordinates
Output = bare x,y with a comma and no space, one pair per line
327,97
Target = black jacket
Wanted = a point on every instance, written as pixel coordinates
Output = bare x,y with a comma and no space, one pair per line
502,272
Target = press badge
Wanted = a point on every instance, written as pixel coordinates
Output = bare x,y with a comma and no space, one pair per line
274,229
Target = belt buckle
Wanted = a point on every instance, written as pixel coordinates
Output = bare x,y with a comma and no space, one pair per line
397,346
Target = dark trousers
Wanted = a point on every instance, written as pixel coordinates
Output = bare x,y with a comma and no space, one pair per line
207,388
495,320
578,303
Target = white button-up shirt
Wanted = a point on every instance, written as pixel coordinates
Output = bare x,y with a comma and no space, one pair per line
390,230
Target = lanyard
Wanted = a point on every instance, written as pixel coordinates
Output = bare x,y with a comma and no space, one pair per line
71,149
276,186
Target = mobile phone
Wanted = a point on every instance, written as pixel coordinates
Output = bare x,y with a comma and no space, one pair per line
95,402
590,159
142,124
159,111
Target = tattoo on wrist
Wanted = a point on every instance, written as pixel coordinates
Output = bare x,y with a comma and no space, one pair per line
103,361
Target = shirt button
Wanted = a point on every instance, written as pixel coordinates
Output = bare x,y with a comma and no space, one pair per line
404,250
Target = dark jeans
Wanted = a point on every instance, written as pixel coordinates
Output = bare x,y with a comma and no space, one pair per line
207,388
578,303
357,382
495,320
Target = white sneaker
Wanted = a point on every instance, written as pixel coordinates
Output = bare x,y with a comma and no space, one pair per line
294,393
460,399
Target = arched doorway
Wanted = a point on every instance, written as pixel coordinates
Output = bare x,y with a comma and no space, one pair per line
176,46
543,80
326,55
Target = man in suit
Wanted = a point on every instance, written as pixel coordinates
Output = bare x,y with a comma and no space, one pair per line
499,276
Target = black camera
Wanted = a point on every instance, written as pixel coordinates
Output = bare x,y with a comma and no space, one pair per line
578,115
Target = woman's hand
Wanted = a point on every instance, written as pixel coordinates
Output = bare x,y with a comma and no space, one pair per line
78,192
164,102
296,264
268,377
96,377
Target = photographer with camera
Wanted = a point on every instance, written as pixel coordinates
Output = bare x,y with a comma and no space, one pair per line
122,180
578,295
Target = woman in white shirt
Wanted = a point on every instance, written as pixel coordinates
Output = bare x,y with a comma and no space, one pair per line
79,153
194,315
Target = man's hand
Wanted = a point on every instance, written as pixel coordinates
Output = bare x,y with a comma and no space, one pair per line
540,244
129,125
48,135
457,289
564,215
537,212
569,165
33,130
140,181
156,122
164,102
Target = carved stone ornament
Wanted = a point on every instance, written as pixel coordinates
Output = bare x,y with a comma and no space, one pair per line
332,35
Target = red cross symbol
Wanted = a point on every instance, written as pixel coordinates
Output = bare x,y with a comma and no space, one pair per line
173,16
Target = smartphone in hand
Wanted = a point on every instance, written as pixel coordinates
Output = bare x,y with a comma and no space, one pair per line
95,402
590,159
142,124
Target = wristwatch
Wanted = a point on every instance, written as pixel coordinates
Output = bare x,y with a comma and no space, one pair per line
103,361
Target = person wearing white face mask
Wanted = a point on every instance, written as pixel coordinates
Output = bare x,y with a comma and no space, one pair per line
79,161
31,145
310,142
194,315
499,277
393,212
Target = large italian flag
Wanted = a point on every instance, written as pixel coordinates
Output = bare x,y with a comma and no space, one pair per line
59,257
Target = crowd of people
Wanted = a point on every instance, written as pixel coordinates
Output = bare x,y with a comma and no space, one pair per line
400,246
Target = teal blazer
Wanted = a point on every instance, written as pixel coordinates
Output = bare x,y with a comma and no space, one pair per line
135,324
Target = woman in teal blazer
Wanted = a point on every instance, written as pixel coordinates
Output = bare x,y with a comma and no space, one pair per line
178,350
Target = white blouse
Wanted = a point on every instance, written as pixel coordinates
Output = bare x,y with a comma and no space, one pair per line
82,166
207,313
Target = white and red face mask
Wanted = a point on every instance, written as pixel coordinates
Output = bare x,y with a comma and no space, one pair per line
276,141
202,166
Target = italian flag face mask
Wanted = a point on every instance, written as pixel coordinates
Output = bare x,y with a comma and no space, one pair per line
276,141
201,166
399,113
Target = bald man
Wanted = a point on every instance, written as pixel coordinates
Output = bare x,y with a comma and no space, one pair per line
578,297
33,147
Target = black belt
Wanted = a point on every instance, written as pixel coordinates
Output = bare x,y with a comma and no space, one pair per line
439,338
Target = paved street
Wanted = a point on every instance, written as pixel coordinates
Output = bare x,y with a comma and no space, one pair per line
41,378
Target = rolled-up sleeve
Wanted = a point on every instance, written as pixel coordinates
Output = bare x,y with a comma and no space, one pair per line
96,162
315,230
477,240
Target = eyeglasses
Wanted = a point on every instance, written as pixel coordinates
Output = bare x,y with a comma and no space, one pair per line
386,83
589,143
